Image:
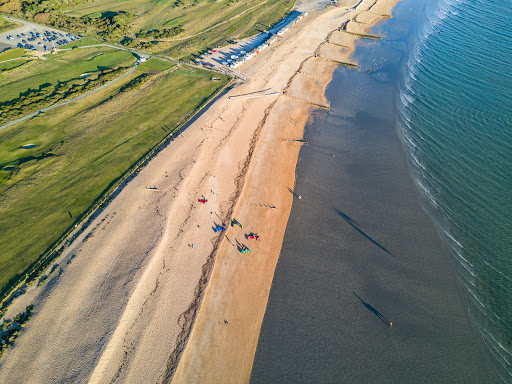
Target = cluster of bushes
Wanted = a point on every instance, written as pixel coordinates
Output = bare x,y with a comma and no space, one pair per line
113,25
160,33
10,329
110,25
136,83
143,45
49,94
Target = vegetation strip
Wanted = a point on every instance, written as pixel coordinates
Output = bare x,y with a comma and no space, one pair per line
10,329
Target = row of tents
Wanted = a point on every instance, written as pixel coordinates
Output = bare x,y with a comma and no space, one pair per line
270,40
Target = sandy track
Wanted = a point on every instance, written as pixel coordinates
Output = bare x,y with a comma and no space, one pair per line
122,309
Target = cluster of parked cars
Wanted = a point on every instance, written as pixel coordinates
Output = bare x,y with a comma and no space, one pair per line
233,57
58,38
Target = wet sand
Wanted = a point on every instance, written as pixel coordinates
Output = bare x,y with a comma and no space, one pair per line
358,252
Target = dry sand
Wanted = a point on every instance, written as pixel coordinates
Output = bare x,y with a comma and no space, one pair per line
121,306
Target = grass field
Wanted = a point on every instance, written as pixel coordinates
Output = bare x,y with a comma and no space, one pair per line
83,42
63,67
259,16
226,19
6,25
12,54
75,152
4,67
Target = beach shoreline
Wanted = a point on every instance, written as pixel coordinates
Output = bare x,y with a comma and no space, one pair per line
222,342
149,277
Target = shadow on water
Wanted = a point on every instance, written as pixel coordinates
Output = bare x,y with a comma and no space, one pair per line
294,193
377,313
353,223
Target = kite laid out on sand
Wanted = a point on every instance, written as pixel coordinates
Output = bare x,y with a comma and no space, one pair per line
236,222
253,236
245,250
219,228
203,200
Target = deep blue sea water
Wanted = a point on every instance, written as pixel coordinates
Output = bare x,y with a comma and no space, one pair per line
455,115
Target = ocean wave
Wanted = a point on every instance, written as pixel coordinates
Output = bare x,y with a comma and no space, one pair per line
501,273
439,99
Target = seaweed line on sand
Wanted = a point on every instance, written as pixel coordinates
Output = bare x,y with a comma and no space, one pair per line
187,318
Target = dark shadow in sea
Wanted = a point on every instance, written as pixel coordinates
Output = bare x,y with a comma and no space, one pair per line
353,223
377,313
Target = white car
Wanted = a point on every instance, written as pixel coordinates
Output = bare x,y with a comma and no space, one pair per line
224,63
234,57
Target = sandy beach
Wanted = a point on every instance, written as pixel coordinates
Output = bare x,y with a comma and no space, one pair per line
149,292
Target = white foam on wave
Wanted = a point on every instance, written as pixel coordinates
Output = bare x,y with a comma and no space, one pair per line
496,270
427,192
467,266
455,241
475,297
408,139
419,163
505,349
496,349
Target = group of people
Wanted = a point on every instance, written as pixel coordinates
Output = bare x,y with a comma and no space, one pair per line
221,228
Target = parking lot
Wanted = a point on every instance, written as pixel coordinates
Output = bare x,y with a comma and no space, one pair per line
34,36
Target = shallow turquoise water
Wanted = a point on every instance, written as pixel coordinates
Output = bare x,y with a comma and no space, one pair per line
455,115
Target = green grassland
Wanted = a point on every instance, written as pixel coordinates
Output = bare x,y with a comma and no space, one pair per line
12,54
177,28
81,149
258,17
83,42
6,25
27,86
62,67
12,58
4,67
